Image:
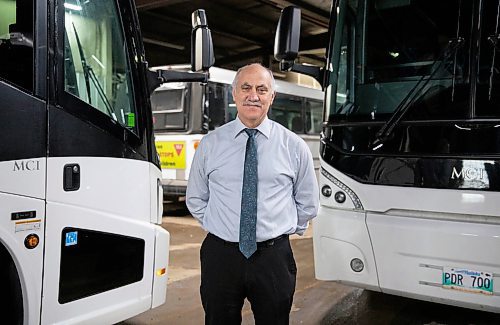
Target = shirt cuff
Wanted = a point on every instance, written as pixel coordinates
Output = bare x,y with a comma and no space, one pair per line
301,229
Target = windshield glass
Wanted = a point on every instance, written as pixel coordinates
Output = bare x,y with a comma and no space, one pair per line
96,68
168,103
386,47
16,42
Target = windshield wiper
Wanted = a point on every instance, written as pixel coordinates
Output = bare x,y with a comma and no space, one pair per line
404,106
89,74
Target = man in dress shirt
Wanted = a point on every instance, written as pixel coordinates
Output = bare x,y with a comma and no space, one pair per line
287,198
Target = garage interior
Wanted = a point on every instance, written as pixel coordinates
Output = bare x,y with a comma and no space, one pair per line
242,31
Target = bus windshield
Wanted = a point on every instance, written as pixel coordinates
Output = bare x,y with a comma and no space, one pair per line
168,104
390,52
96,69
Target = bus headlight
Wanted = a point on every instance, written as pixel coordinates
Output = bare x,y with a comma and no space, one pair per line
340,197
344,189
326,191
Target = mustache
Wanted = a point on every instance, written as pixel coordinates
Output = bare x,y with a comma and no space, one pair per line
252,103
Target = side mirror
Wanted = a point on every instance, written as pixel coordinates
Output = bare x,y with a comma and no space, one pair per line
202,57
286,45
202,50
286,42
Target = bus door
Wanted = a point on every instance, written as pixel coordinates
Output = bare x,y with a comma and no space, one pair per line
22,163
101,170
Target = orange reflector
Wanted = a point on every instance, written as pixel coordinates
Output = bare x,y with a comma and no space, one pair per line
161,271
195,144
31,241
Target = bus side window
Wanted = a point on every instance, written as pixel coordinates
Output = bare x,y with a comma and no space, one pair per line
231,111
216,105
314,114
287,111
281,119
297,124
16,43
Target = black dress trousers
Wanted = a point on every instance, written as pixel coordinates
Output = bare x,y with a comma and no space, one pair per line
266,279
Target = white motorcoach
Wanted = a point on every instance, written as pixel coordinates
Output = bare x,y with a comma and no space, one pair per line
410,154
80,190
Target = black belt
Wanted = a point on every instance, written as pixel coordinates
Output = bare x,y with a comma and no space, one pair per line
262,244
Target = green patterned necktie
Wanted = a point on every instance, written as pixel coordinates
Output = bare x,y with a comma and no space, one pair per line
248,218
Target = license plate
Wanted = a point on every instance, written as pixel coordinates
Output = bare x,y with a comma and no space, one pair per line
468,280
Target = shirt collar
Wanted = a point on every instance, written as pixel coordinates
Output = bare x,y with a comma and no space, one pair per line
264,127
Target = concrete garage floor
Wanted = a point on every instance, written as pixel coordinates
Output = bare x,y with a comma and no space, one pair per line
313,299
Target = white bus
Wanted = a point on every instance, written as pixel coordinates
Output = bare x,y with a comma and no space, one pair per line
80,191
410,149
183,113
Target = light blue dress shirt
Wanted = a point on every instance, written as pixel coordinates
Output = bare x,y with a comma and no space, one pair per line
288,195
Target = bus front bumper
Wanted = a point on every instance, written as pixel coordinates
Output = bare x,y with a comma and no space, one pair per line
174,188
407,255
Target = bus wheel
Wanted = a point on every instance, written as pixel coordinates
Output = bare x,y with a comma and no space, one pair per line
11,297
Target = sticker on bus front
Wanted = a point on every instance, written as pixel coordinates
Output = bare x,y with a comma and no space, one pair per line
131,119
71,238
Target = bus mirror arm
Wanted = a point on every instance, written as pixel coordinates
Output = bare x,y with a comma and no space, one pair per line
158,77
310,70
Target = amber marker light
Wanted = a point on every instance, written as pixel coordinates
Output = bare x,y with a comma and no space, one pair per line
195,144
31,241
161,271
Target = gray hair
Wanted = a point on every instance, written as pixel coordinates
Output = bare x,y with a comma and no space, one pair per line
235,80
